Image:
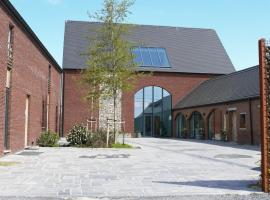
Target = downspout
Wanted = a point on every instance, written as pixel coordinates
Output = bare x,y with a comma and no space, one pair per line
62,102
251,123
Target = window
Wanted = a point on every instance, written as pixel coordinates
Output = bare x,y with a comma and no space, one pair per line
152,112
151,57
181,126
10,42
242,120
8,78
196,126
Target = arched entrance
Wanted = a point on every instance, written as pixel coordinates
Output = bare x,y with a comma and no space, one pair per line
196,126
181,126
152,112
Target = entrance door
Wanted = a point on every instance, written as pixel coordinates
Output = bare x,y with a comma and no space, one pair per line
148,125
233,128
26,121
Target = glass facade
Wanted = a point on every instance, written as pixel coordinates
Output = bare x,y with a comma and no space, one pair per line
153,112
181,126
151,57
196,126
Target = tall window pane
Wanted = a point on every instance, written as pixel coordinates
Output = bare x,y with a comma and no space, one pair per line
138,111
163,57
181,126
146,57
167,104
154,57
138,56
158,123
148,99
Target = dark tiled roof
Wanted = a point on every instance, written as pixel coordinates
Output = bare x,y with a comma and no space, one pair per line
16,15
239,85
190,50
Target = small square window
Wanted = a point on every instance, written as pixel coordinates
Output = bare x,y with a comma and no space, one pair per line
243,120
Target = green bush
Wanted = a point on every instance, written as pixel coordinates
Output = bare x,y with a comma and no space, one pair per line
48,139
99,140
78,136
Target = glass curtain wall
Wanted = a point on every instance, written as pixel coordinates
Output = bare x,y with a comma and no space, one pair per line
152,112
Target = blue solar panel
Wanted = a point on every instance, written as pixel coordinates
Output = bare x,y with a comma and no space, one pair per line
151,57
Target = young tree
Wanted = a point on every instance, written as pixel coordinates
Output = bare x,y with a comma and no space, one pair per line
110,66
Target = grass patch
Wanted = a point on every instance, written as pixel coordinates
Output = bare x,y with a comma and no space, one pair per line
121,146
7,164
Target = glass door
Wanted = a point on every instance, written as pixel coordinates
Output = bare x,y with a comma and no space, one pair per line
148,125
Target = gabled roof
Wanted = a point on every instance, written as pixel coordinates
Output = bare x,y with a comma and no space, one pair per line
236,86
190,50
19,19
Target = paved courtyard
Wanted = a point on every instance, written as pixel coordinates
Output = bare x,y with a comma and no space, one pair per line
160,168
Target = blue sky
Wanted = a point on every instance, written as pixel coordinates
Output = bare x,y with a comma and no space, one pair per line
239,23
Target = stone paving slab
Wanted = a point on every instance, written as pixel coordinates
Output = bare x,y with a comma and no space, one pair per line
161,168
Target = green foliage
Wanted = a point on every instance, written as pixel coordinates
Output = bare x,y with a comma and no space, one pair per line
121,146
224,135
78,135
99,140
110,67
48,139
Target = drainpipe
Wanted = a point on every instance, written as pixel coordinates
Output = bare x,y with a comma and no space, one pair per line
251,123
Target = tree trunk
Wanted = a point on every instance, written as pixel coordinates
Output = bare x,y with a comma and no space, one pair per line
114,114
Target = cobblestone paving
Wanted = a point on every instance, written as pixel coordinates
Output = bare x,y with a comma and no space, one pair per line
161,169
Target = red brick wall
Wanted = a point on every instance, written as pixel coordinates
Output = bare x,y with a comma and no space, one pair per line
243,135
77,110
177,84
3,61
29,77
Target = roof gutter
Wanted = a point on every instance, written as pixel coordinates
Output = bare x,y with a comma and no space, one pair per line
9,7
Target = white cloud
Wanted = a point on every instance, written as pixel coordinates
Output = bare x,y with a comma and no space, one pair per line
55,2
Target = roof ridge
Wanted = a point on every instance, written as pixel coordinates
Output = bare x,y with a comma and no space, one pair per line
147,25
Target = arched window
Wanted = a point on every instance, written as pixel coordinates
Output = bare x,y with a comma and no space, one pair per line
152,112
181,126
196,126
211,126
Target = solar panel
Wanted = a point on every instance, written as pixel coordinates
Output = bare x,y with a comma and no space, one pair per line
150,57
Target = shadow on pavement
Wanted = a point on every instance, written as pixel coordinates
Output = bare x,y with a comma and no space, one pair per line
219,184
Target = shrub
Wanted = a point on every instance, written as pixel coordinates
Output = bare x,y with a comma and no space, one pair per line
78,135
48,139
99,140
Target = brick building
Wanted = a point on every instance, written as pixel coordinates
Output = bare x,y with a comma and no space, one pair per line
179,59
227,104
30,83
